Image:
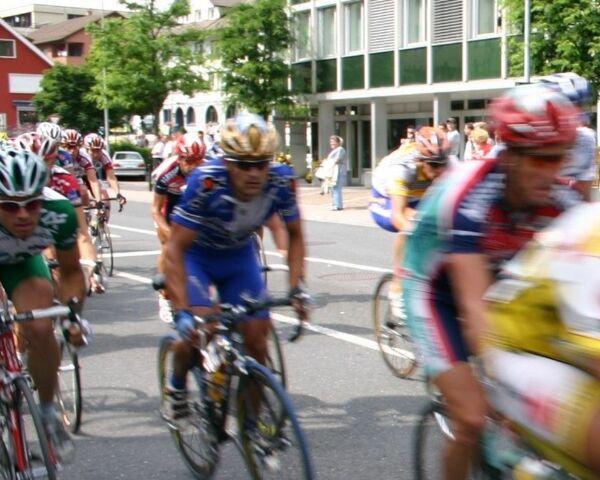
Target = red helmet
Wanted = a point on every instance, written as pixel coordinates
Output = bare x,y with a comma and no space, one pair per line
72,137
533,116
29,141
190,148
431,145
93,141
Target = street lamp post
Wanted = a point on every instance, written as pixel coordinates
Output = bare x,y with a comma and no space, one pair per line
527,53
106,122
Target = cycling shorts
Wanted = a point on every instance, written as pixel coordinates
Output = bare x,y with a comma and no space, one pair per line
236,274
433,322
381,210
12,275
549,400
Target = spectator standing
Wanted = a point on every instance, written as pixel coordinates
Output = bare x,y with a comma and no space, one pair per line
453,137
468,151
337,155
158,151
481,144
410,136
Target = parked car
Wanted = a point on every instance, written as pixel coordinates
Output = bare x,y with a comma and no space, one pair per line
129,164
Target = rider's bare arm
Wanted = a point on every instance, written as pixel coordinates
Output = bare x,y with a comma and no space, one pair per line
295,259
470,278
112,180
180,240
278,233
400,219
158,203
90,173
72,282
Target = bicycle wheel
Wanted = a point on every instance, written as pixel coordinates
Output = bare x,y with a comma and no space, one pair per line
7,466
30,445
104,248
197,442
431,432
274,446
261,256
391,332
68,392
275,360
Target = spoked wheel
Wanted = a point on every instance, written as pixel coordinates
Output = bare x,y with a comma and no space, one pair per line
37,460
104,248
7,467
431,433
196,440
391,331
68,393
274,446
275,360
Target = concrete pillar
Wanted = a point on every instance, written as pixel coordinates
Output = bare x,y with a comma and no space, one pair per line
379,132
441,108
279,125
326,127
298,147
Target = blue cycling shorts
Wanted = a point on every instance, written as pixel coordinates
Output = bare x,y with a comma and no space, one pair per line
381,210
236,274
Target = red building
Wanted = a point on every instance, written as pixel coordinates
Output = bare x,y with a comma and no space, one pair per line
22,66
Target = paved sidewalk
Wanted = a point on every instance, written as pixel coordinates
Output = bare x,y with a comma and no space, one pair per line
314,206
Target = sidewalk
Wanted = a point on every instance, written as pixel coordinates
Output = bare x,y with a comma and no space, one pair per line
314,207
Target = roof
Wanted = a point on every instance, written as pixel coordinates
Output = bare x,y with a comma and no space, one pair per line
26,42
62,30
226,3
203,25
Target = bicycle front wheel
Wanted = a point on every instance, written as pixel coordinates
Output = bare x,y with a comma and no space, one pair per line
7,466
33,457
391,332
275,360
196,441
273,443
104,248
68,393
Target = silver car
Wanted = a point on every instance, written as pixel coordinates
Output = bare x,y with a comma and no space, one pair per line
129,164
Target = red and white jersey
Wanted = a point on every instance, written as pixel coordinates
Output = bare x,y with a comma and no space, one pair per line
61,181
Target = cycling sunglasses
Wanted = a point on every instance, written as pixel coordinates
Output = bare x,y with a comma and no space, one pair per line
13,206
247,165
543,157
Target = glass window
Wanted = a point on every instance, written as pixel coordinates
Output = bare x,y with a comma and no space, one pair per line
167,115
7,48
75,50
484,17
302,35
414,21
327,33
354,28
26,116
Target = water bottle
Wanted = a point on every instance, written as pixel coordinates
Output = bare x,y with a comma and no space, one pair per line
530,468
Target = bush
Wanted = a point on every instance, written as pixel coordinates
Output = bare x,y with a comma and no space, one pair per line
132,147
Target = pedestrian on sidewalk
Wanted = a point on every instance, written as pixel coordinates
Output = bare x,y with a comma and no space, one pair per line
337,156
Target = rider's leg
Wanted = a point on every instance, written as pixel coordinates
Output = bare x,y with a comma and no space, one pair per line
467,408
87,250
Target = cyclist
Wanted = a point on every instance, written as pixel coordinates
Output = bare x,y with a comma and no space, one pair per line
543,350
32,218
83,165
580,170
167,192
475,217
94,144
399,182
55,133
225,201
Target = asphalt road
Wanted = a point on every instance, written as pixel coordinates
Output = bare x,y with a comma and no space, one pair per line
357,416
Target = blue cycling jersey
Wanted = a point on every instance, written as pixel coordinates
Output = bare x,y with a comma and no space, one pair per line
64,159
208,206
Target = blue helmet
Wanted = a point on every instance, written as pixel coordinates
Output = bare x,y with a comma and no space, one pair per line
574,87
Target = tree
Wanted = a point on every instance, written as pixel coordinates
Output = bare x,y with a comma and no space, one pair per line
140,59
565,36
252,48
65,90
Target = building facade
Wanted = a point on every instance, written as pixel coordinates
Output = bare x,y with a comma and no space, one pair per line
22,66
371,68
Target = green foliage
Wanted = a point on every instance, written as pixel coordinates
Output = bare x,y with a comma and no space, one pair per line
65,90
145,56
252,47
565,36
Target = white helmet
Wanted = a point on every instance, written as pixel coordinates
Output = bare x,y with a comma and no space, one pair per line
50,130
22,173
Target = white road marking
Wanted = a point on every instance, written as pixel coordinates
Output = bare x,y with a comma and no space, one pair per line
338,263
346,337
139,253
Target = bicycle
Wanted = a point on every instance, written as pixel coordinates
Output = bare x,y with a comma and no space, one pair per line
101,238
21,425
391,331
237,399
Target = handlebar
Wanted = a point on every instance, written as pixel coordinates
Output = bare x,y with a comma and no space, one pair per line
69,311
96,204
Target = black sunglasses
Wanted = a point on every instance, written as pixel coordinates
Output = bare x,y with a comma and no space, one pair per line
542,157
247,165
13,206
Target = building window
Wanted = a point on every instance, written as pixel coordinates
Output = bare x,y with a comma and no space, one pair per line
7,49
327,33
190,116
23,20
26,116
353,20
73,15
75,50
415,21
212,13
302,35
166,115
198,15
486,20
211,115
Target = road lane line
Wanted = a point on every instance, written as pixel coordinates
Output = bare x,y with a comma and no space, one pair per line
138,253
338,263
329,332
